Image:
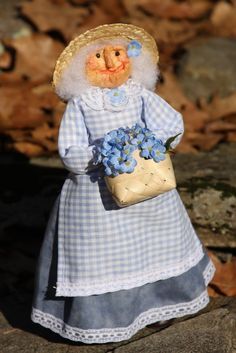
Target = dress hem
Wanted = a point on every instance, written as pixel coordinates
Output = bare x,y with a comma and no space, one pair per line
117,334
68,289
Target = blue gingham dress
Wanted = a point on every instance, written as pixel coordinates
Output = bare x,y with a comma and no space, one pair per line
101,247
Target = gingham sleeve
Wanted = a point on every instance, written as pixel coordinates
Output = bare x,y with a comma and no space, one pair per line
161,118
73,143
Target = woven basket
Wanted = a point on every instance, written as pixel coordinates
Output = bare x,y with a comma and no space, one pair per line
149,179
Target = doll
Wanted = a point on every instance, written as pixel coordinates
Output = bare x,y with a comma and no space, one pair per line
105,272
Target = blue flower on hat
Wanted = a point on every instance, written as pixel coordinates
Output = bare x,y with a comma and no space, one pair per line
134,48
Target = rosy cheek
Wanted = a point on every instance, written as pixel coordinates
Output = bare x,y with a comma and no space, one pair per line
124,59
92,64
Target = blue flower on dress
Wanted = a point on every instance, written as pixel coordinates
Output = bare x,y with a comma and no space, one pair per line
117,96
134,48
158,152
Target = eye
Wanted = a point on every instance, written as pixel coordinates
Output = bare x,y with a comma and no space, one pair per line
117,53
98,55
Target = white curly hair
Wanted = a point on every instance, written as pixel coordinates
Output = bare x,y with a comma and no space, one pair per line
74,81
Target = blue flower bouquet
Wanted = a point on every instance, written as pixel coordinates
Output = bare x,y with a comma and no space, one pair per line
137,164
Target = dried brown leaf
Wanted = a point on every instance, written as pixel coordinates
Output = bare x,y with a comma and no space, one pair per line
97,17
46,137
230,119
195,119
171,91
28,149
49,15
19,135
203,141
225,276
79,2
113,8
221,107
231,137
186,147
43,136
58,112
220,126
223,19
166,32
5,60
19,108
212,293
23,106
48,98
35,58
174,9
51,104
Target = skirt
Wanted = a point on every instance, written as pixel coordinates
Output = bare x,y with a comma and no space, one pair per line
113,316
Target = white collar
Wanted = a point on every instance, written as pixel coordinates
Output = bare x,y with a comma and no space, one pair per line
104,98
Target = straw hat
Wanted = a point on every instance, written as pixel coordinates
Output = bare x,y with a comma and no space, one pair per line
108,31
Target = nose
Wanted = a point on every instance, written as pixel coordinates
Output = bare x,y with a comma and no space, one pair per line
108,58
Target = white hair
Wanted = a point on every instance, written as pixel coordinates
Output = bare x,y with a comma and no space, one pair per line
74,81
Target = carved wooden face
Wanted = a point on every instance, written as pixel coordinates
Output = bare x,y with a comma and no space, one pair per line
108,67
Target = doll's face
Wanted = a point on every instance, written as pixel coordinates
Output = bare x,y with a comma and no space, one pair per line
108,67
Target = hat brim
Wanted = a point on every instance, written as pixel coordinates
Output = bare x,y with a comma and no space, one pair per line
104,32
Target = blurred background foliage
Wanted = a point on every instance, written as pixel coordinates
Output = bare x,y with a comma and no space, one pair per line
196,40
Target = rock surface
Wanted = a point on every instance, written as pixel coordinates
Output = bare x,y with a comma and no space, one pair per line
208,67
214,331
10,23
207,185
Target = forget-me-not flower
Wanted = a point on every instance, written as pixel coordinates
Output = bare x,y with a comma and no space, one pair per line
136,129
123,164
116,149
138,139
146,148
117,96
158,152
128,150
128,165
134,48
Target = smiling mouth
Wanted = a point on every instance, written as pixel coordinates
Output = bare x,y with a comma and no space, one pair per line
114,70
